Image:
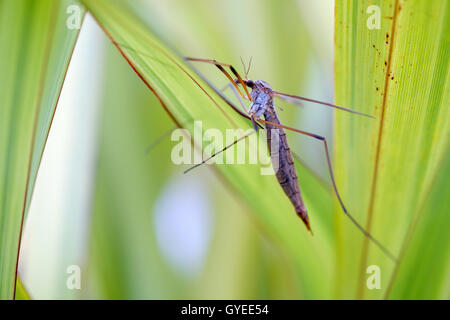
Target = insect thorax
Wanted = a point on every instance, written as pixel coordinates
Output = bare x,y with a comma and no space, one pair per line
262,96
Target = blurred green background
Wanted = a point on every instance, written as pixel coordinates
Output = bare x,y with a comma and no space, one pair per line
148,231
139,228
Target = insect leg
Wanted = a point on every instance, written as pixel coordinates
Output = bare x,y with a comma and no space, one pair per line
160,139
225,148
220,65
295,99
330,169
238,97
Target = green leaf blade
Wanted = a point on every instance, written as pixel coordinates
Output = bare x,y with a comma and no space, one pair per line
399,73
35,48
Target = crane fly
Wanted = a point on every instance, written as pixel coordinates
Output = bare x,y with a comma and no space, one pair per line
261,97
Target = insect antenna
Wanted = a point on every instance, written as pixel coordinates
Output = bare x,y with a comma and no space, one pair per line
244,67
246,70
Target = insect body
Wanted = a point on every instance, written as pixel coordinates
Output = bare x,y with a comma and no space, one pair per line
262,98
263,104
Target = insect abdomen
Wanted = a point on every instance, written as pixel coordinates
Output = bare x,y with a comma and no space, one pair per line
286,172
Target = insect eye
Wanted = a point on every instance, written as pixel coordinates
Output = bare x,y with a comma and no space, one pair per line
250,83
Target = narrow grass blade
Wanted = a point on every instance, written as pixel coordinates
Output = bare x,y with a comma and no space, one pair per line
35,49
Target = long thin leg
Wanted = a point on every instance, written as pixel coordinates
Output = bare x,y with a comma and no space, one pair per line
291,97
215,154
220,65
164,135
159,139
238,97
330,169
